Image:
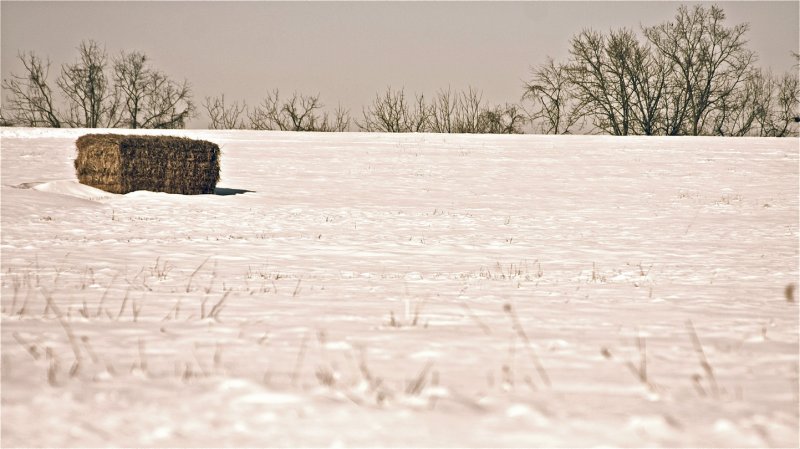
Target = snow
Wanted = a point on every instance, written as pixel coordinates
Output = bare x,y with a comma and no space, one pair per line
406,290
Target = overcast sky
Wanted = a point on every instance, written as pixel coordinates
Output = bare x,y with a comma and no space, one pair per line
348,51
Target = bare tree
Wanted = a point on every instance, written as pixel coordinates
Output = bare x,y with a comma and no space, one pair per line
707,62
795,107
619,81
462,112
469,111
746,110
149,98
420,116
506,119
555,107
781,120
690,76
298,113
442,112
92,100
169,104
340,122
94,94
764,105
267,114
131,78
30,99
390,112
788,94
224,116
646,74
4,120
386,114
449,112
609,74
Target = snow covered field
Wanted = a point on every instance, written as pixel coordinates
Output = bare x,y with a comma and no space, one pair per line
406,290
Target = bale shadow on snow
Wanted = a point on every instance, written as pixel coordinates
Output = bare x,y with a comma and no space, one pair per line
222,191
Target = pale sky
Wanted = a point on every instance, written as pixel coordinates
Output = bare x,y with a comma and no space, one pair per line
349,51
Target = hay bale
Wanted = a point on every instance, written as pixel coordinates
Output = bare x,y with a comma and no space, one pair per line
120,164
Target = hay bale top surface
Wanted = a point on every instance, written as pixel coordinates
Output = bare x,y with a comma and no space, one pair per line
129,143
121,163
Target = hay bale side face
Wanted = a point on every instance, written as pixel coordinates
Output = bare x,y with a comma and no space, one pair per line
157,163
98,162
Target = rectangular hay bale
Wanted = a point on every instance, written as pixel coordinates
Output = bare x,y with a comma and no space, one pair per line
120,163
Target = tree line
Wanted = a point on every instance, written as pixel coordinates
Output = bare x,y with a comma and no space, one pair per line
692,75
96,91
390,111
